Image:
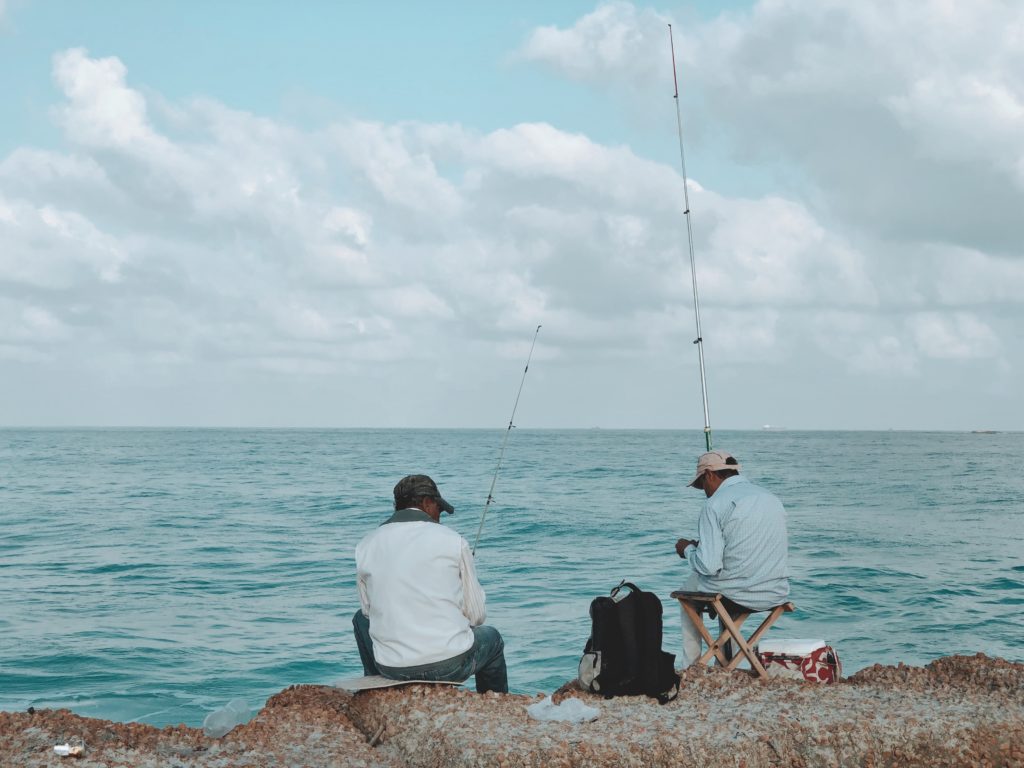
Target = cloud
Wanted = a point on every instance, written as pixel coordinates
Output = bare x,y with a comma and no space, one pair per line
100,110
927,93
52,248
399,266
610,44
772,251
896,128
403,177
960,336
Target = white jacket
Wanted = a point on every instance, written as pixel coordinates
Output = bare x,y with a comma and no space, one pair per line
418,586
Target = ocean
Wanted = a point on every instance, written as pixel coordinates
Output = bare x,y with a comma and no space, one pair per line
154,574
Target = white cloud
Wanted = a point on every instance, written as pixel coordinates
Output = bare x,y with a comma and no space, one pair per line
48,247
406,178
973,279
612,43
189,241
886,356
899,129
928,94
862,343
26,323
960,336
773,252
101,110
351,223
26,167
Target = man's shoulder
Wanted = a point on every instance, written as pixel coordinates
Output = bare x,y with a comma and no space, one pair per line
412,529
741,487
732,487
760,498
743,484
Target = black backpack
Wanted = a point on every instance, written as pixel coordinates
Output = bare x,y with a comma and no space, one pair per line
623,656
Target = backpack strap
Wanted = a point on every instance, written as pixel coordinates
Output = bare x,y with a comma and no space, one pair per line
671,694
633,587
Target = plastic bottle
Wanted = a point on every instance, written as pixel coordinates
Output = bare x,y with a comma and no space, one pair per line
220,721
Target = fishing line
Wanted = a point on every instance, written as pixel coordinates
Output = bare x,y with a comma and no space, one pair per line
501,454
699,341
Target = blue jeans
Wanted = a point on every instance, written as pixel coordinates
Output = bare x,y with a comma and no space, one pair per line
485,659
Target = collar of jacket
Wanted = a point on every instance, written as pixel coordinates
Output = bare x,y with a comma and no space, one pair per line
410,515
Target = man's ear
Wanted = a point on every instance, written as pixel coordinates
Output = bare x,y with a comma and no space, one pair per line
434,510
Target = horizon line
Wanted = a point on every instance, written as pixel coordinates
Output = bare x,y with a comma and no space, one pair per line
293,428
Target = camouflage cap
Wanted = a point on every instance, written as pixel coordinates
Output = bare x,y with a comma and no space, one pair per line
418,486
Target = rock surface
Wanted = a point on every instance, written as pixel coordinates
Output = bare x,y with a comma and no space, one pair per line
957,711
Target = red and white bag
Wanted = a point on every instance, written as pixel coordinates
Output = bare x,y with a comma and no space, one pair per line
810,660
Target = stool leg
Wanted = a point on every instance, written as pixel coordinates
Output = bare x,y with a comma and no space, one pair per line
730,648
755,663
718,650
765,625
714,648
753,640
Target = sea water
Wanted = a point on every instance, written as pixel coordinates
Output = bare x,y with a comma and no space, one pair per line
154,575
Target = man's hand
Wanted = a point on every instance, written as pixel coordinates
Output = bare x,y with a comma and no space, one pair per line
682,544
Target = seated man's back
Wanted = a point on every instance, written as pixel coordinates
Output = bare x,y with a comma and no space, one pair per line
741,545
411,573
421,606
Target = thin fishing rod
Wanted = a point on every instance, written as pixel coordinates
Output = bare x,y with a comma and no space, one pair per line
501,454
699,341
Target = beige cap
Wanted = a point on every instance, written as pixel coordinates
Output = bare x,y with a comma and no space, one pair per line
713,461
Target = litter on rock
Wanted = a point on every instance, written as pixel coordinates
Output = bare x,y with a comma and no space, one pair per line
571,710
69,750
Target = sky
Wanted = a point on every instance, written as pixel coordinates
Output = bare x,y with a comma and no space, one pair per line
356,215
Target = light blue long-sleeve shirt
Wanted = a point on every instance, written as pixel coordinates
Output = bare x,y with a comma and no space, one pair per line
743,544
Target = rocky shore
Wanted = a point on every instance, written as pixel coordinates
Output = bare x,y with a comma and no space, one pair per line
957,711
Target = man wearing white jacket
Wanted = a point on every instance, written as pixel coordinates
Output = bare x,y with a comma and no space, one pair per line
422,607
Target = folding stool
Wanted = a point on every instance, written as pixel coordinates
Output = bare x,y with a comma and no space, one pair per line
696,603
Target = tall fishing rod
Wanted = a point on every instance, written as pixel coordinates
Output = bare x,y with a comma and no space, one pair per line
501,454
699,341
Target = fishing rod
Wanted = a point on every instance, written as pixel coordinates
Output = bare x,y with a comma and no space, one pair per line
501,454
699,341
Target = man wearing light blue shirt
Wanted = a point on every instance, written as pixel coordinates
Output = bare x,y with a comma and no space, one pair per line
741,546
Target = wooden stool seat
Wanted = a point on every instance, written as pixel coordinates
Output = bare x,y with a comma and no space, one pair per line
696,603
